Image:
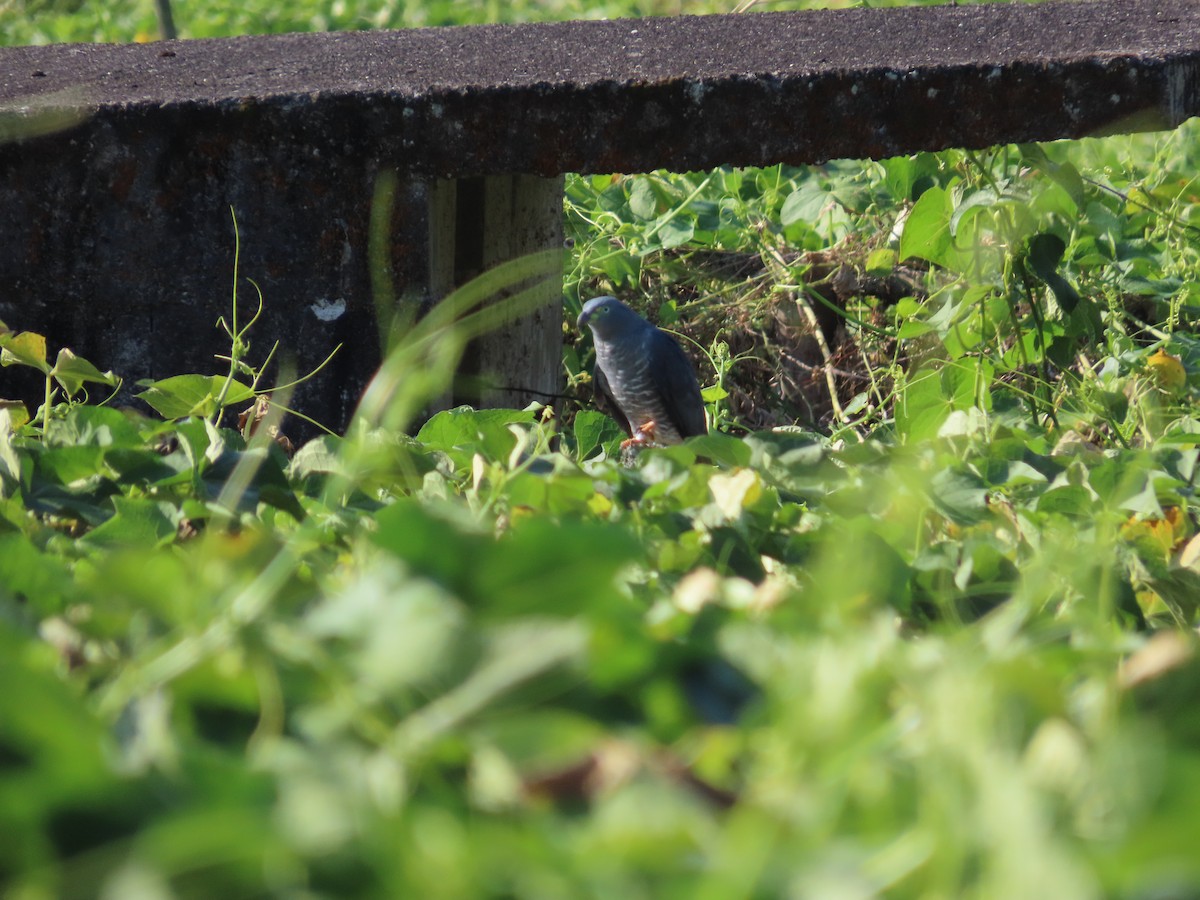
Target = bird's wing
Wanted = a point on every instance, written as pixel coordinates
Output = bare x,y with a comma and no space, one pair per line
605,401
675,380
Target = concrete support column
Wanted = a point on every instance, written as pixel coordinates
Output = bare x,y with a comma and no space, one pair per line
122,248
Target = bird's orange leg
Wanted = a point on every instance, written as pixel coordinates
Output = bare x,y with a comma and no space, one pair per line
642,436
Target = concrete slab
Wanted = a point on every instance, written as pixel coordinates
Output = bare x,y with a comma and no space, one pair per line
634,95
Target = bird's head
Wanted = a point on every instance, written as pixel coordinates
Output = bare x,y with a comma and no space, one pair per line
608,317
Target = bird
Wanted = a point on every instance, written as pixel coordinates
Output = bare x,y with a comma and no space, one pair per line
643,376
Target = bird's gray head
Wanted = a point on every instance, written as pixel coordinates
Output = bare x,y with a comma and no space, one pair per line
609,318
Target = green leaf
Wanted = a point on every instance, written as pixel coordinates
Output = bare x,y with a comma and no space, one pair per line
14,415
551,568
643,199
900,171
463,431
320,456
10,461
721,448
192,395
676,231
1071,500
881,261
977,202
72,466
959,495
923,406
99,426
250,476
556,569
138,522
804,204
24,349
927,228
54,745
559,492
593,430
40,579
397,631
914,328
436,544
72,372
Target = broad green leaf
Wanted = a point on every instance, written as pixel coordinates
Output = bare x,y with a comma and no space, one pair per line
914,328
320,456
24,349
442,545
53,743
959,495
41,579
397,631
99,426
73,466
1071,500
193,395
676,232
555,492
556,569
977,202
643,200
881,261
593,430
244,478
900,172
721,448
468,430
514,655
544,738
805,204
10,461
13,414
72,372
927,228
137,523
923,406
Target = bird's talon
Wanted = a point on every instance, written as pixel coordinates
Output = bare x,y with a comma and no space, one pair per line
643,437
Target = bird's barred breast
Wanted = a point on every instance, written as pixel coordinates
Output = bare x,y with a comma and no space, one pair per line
635,391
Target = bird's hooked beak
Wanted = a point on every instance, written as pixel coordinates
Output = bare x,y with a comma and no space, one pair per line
591,313
596,310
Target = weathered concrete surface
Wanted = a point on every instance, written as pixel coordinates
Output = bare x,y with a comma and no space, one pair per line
119,164
633,95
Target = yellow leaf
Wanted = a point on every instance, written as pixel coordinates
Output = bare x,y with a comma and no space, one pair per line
1168,371
600,505
735,491
1189,558
1158,534
24,349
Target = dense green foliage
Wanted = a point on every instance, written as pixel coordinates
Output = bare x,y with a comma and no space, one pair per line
937,642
